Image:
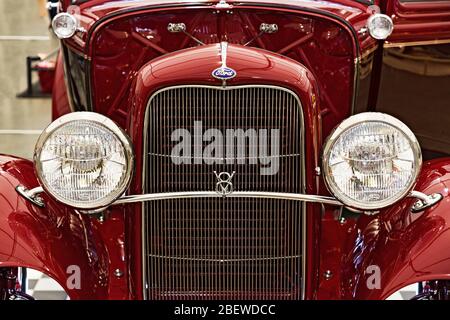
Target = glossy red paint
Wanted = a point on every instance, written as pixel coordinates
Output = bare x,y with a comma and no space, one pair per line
60,98
408,248
323,43
253,66
422,21
330,21
335,241
95,11
53,238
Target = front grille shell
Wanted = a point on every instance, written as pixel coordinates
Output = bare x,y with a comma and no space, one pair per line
186,251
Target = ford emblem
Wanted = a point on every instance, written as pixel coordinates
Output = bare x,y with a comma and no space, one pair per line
224,73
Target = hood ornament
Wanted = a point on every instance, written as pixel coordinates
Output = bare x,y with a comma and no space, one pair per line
224,186
224,72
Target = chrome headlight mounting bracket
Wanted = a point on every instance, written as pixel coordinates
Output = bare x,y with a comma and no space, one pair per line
32,195
424,201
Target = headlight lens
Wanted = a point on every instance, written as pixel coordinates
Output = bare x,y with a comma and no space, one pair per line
380,26
84,160
371,161
64,25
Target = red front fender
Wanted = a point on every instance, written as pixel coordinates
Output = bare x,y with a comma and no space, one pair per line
407,248
49,239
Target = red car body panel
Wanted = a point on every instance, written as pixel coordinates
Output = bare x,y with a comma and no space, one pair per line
254,67
60,99
53,238
121,63
407,248
420,22
94,12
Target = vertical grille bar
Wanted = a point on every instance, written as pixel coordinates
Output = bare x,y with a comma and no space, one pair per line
223,248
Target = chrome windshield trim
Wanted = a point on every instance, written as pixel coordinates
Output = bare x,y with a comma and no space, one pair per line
235,194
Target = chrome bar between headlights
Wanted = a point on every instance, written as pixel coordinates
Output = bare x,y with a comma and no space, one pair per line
236,194
424,200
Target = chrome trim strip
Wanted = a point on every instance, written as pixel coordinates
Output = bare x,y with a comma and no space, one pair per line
224,68
303,172
356,70
220,158
224,53
388,44
224,260
32,193
235,194
22,272
366,53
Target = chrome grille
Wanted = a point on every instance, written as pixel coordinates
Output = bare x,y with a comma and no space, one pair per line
223,248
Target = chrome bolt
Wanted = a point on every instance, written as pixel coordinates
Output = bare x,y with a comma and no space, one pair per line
342,221
118,273
318,171
101,217
363,31
328,275
371,213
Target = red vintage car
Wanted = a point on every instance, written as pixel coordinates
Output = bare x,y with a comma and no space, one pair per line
244,150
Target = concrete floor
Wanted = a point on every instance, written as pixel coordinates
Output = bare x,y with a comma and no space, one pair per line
21,18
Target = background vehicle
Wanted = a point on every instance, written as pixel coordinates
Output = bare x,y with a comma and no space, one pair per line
302,67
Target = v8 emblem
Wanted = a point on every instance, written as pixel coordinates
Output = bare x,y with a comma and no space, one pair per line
224,186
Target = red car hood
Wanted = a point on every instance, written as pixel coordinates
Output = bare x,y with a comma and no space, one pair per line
349,10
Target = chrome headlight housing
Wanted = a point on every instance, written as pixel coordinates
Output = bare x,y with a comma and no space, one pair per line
371,160
84,160
64,25
380,26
